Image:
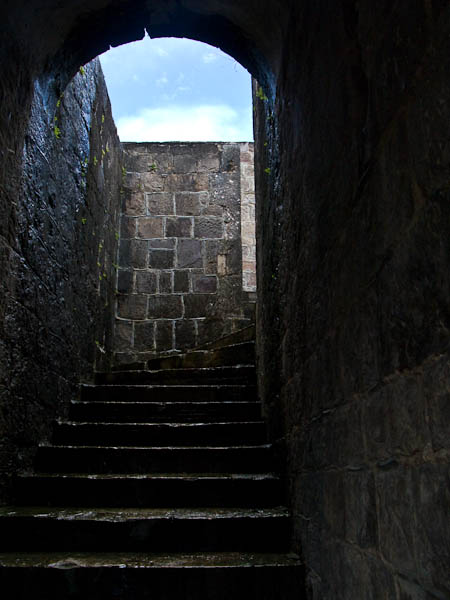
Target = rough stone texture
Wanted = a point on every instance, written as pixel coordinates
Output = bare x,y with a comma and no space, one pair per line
181,244
353,258
57,261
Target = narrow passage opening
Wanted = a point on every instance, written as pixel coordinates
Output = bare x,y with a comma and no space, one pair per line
187,251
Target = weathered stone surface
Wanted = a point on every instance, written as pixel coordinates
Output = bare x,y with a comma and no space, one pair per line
185,333
123,333
181,281
184,231
150,227
191,203
161,259
125,282
132,307
133,252
146,282
165,282
198,305
160,203
208,227
59,215
164,335
189,254
204,284
144,336
165,307
179,227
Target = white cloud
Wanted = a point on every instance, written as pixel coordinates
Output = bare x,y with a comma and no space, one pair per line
183,124
209,57
162,80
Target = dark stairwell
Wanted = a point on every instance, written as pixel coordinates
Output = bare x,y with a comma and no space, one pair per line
160,484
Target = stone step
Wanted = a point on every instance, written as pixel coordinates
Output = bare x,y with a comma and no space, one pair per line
116,459
42,529
216,375
159,434
247,334
236,354
256,490
141,412
144,576
168,393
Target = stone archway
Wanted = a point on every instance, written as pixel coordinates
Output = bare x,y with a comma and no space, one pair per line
353,218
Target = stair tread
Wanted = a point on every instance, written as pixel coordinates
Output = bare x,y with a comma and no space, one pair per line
119,515
73,560
171,424
155,476
152,448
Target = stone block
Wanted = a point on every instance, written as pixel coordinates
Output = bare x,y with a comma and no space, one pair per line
204,284
181,281
185,163
123,335
208,163
161,259
133,254
164,335
165,282
208,227
196,182
125,282
189,254
160,203
179,227
191,203
185,334
165,307
128,227
230,158
132,307
162,244
146,282
150,227
197,305
152,182
134,203
144,336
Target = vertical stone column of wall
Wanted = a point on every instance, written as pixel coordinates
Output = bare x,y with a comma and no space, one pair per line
180,259
248,218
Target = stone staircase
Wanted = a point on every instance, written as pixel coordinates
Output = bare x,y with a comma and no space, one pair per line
160,486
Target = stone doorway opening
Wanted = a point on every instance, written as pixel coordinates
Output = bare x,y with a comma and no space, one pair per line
186,263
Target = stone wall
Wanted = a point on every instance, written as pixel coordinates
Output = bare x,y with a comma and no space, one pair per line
56,262
352,173
180,259
248,219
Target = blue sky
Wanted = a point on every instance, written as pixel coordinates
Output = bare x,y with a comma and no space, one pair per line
170,89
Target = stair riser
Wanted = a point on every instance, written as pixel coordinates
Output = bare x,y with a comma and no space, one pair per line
160,435
108,583
140,413
130,393
167,493
152,460
240,354
227,375
163,535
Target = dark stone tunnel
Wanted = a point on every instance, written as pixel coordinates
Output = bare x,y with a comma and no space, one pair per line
353,224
